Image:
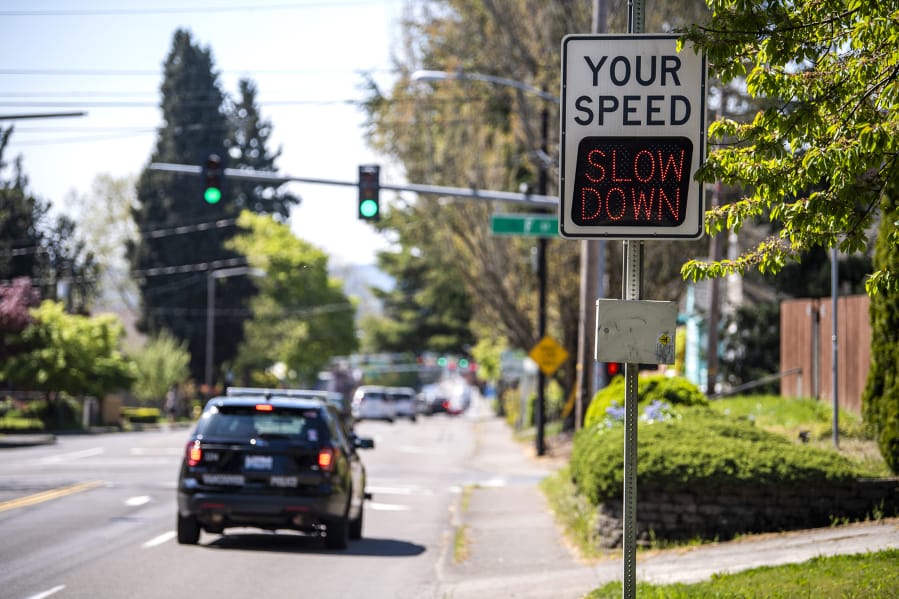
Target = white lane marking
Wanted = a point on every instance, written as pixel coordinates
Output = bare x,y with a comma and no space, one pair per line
74,455
418,449
492,482
156,451
49,592
388,507
163,538
393,490
136,501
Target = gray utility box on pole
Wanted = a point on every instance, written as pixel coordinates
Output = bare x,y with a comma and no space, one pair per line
635,331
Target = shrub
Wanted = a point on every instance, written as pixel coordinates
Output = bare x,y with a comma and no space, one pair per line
700,448
63,413
880,401
17,424
142,415
675,391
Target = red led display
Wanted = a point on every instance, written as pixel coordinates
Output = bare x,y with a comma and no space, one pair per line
631,181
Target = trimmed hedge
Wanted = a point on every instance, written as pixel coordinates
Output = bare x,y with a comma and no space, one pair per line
675,391
142,415
700,447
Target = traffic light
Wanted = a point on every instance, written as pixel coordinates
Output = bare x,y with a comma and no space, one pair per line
213,175
613,369
369,192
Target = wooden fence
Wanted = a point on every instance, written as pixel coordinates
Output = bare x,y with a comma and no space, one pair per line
806,343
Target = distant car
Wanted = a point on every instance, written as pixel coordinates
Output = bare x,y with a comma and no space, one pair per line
434,398
272,462
404,402
370,402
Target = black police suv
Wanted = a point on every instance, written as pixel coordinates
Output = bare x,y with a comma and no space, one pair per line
272,462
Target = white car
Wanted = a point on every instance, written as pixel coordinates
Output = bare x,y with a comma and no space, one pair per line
404,403
370,402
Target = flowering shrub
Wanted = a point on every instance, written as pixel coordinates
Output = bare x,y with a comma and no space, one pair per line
673,391
656,411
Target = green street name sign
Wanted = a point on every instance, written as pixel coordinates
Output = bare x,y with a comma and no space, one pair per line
530,225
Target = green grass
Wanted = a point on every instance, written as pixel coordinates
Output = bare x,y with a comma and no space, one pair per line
789,415
461,544
861,576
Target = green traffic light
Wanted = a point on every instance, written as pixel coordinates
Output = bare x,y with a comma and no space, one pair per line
212,195
368,208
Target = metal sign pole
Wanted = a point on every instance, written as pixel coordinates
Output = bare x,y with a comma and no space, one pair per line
633,278
633,275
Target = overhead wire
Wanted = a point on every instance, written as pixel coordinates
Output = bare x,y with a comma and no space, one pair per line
159,10
151,233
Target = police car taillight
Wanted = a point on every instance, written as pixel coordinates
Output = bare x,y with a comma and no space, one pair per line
326,459
194,453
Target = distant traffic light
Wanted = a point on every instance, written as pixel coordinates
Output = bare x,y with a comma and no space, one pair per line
613,369
369,192
213,176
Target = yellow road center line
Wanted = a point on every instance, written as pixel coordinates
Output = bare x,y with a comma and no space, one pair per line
48,495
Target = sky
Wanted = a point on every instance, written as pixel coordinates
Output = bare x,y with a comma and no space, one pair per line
307,58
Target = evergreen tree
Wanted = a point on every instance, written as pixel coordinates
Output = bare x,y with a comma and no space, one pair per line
880,401
34,245
172,269
20,217
427,310
248,148
752,347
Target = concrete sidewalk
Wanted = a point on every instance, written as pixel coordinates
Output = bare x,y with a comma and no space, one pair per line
516,549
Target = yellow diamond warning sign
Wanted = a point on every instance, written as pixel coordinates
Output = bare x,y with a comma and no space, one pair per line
548,355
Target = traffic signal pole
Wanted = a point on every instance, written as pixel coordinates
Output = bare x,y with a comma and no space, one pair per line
523,199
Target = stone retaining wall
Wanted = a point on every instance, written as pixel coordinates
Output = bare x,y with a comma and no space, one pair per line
722,513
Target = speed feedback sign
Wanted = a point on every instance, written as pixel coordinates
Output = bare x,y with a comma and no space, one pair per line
633,136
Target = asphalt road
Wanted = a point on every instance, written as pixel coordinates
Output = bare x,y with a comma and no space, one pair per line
93,516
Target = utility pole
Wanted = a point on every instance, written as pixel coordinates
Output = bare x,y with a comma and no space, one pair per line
541,282
592,279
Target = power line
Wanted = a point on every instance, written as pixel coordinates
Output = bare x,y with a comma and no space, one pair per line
155,104
188,268
151,233
157,72
207,10
64,140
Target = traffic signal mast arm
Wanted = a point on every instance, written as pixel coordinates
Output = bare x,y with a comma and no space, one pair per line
524,199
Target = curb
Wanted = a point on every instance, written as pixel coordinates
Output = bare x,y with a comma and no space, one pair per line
26,440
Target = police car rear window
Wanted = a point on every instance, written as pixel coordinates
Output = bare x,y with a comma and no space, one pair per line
246,422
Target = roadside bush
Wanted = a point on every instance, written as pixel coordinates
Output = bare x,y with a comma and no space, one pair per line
674,391
19,425
142,415
63,413
700,448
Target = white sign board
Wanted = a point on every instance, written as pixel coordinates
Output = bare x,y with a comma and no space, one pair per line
633,137
635,331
